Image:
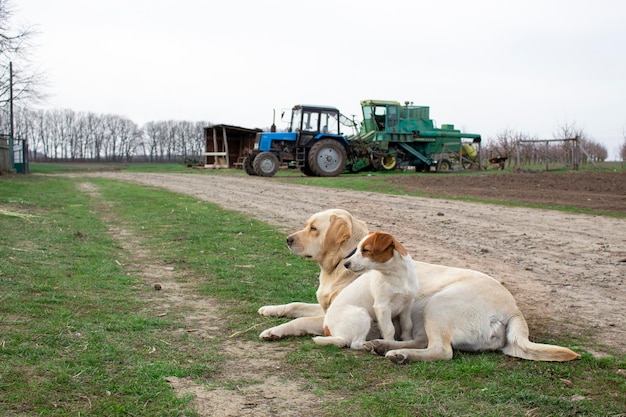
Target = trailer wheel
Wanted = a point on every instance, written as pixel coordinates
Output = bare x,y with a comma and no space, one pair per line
327,158
265,164
384,163
247,165
444,165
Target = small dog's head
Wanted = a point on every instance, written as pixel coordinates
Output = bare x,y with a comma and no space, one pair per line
374,251
328,237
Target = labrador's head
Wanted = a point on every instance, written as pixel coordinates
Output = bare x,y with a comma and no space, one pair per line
329,236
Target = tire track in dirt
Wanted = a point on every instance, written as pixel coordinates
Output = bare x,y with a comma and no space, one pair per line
244,361
564,269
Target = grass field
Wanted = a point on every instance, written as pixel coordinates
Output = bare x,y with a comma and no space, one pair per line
78,334
44,167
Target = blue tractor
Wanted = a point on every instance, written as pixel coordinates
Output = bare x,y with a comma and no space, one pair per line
314,143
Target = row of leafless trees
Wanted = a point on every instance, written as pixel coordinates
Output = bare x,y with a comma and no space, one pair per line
533,150
67,135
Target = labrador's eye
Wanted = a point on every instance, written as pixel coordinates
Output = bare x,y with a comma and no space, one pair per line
313,228
364,250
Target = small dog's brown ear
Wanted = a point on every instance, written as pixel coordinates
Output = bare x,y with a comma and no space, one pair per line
384,241
399,247
381,241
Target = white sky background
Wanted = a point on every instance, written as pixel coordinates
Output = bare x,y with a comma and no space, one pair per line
484,66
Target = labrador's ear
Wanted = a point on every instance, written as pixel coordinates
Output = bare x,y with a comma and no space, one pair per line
338,233
339,230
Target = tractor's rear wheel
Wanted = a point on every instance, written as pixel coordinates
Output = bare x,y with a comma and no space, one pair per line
247,165
265,164
327,158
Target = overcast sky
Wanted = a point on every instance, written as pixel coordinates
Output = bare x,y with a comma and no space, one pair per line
484,66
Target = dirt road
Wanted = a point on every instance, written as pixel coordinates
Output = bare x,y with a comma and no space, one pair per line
567,271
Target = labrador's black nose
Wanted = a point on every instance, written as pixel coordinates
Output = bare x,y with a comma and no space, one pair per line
289,241
347,264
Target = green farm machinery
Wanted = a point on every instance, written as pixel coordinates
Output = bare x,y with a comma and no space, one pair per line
394,135
391,136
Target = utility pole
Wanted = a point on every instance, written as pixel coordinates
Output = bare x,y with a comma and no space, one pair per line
11,141
11,98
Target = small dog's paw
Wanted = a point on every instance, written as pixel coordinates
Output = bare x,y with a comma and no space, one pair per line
358,346
396,356
375,346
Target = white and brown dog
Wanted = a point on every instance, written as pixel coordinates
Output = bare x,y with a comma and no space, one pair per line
385,291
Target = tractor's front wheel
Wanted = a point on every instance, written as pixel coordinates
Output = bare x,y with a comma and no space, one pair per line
265,164
327,158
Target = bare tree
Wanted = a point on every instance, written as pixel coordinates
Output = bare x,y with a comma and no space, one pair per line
505,146
151,141
24,82
199,144
40,141
593,150
130,138
93,134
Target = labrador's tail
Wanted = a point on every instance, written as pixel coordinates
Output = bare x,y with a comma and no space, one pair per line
519,346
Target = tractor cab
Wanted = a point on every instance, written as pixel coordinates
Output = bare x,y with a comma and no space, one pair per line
310,121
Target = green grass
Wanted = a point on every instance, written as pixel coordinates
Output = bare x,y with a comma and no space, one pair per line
224,250
57,168
77,334
363,181
52,167
488,384
67,309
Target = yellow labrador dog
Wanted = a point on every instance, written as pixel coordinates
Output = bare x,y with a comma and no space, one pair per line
385,290
454,308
